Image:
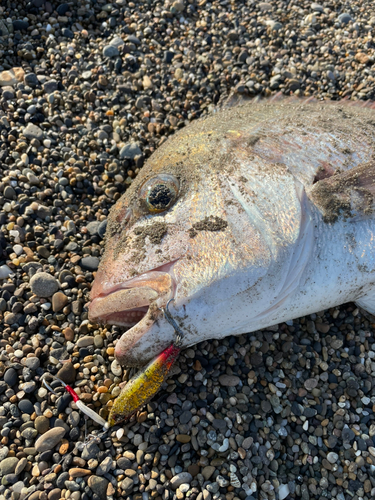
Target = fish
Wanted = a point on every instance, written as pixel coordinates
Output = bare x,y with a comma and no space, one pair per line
254,215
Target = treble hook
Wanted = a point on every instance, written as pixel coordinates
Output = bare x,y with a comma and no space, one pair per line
172,322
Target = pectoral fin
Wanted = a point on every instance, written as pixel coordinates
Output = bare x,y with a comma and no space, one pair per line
348,194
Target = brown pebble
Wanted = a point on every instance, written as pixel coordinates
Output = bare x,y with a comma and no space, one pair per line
197,365
59,301
183,438
67,373
142,416
194,469
64,447
78,472
68,334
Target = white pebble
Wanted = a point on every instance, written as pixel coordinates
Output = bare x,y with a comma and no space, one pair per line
5,272
17,249
283,491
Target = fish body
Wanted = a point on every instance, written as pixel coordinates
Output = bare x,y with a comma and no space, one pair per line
252,216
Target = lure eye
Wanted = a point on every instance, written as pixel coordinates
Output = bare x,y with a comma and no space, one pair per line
159,193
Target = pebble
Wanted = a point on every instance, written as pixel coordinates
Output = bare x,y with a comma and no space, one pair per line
43,284
229,380
130,151
49,439
8,465
110,51
32,131
181,478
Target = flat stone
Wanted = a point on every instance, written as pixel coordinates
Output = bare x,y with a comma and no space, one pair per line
79,472
208,471
90,263
44,285
50,86
11,77
344,18
31,80
49,439
67,373
8,465
41,424
59,301
229,380
32,131
98,485
130,150
11,377
104,466
181,478
20,25
110,51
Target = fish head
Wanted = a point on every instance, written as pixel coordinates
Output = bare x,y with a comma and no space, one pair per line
171,235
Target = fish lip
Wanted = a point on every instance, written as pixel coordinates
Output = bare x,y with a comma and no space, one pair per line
114,318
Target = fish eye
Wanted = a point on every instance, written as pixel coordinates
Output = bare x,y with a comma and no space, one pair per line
159,193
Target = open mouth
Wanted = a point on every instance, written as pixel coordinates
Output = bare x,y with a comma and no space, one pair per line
128,303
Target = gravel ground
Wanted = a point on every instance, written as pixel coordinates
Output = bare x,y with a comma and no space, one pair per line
88,90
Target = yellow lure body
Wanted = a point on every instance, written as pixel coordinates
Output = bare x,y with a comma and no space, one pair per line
143,386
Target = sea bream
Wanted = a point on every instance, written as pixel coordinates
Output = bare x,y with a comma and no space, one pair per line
252,216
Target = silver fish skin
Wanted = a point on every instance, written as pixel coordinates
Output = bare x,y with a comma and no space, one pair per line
253,216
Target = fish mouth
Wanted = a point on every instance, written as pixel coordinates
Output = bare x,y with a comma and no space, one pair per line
134,303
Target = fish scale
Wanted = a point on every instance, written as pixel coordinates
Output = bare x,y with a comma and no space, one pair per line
290,185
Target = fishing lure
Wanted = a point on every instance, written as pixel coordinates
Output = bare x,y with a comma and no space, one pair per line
140,389
146,382
80,404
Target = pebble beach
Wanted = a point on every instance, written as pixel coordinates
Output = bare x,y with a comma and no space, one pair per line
88,91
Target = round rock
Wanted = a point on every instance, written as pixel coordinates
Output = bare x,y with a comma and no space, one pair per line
44,285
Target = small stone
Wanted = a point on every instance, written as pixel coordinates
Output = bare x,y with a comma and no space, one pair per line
10,194
104,466
49,439
130,150
178,479
59,301
208,471
50,86
67,373
11,377
110,51
332,457
41,424
310,383
11,77
26,406
85,341
20,466
79,472
98,485
20,25
31,80
344,18
44,285
229,380
362,58
90,263
8,465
